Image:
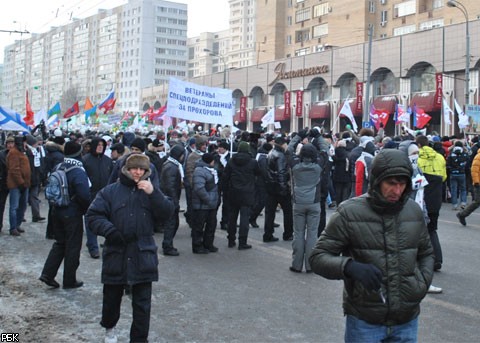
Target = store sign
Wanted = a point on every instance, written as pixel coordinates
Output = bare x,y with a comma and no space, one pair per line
299,106
282,74
286,99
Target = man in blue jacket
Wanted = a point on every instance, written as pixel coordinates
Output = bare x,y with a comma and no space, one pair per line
125,213
68,224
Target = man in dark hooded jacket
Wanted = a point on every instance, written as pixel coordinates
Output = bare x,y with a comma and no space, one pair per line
68,224
171,180
239,179
98,167
379,245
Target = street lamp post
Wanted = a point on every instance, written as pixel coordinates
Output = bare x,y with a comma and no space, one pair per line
222,58
462,8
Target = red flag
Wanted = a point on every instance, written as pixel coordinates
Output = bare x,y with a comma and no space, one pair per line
378,117
74,110
108,105
422,118
158,113
28,119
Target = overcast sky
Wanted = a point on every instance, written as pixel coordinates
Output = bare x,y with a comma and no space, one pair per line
38,16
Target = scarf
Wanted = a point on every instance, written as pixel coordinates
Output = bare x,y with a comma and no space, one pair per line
178,164
223,159
36,156
214,173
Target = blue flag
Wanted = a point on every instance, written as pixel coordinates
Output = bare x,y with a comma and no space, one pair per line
54,110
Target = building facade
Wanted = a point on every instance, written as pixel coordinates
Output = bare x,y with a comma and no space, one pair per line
127,48
299,27
309,90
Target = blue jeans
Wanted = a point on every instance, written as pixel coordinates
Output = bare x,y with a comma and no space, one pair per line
18,206
458,184
92,240
357,330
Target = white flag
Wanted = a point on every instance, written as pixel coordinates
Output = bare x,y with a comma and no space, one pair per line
462,117
446,112
347,111
268,118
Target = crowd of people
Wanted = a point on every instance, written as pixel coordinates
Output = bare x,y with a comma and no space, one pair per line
127,186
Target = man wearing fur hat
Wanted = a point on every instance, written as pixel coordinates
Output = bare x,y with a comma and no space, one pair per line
379,245
137,146
124,213
68,223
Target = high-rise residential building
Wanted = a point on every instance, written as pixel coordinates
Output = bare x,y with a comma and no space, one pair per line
300,27
127,48
217,52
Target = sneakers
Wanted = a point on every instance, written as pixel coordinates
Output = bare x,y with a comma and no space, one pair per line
110,336
461,219
434,290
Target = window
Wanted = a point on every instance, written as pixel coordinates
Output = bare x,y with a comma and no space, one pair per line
404,30
405,8
302,36
302,15
384,16
319,10
371,6
320,30
302,52
431,24
437,4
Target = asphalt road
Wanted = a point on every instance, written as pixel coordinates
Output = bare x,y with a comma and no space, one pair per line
229,296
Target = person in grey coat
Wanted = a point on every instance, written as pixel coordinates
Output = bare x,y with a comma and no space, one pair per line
124,213
306,194
204,205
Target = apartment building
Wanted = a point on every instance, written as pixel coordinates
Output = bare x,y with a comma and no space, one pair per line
300,27
127,48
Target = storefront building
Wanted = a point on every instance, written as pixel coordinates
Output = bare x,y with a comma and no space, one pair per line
412,70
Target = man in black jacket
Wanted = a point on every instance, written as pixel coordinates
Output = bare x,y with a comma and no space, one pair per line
278,192
98,167
68,224
239,180
171,180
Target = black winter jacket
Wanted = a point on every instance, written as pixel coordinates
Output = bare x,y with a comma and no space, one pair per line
278,173
239,177
390,235
122,207
98,167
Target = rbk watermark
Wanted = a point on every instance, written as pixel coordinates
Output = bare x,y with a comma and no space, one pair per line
9,337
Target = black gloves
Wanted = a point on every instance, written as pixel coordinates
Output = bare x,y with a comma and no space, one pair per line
115,238
369,275
303,133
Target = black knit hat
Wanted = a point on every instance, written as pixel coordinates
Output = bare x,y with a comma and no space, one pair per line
207,158
72,149
139,143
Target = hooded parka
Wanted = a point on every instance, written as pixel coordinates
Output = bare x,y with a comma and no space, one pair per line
391,236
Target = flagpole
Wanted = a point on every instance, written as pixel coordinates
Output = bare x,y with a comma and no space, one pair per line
338,116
